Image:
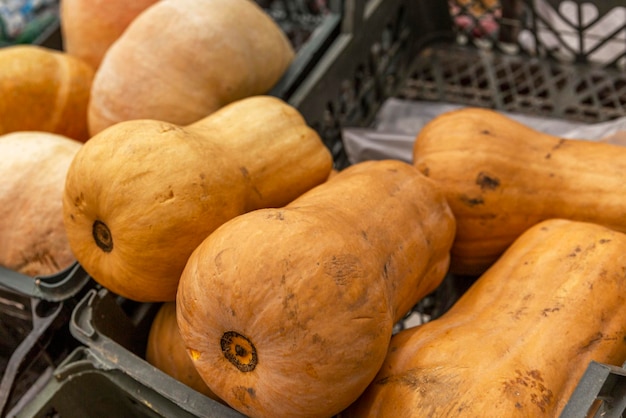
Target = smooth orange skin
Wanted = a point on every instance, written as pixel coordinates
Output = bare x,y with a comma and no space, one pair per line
162,188
42,89
501,177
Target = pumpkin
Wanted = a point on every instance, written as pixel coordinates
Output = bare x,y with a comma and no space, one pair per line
89,27
501,177
518,341
289,311
32,236
179,61
141,195
165,351
44,90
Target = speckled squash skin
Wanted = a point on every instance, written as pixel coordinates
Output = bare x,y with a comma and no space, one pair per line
166,351
180,60
518,341
42,89
289,311
141,195
32,235
501,177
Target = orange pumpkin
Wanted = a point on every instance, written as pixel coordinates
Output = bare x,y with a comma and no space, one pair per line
32,236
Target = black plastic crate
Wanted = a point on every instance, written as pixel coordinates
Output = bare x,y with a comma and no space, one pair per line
111,371
87,385
537,61
34,332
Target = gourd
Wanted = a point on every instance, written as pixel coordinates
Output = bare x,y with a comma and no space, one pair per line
501,177
89,27
289,311
32,236
179,61
44,90
165,351
518,341
141,195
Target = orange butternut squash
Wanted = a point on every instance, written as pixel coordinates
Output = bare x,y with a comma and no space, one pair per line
141,195
289,311
501,177
179,61
42,89
518,341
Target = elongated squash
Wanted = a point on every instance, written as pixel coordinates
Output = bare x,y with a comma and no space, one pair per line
180,60
141,195
518,341
289,311
501,177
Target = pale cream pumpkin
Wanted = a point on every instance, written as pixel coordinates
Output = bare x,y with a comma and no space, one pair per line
180,60
32,236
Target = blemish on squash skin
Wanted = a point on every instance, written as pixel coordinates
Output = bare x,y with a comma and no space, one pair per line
593,341
530,381
554,148
487,182
342,268
575,252
246,176
471,201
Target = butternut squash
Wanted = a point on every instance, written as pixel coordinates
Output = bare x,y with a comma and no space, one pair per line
89,27
165,351
42,89
289,311
141,195
32,236
179,61
501,177
518,341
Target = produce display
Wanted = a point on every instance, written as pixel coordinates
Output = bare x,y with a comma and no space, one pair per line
518,341
42,89
151,152
174,63
142,194
32,235
289,311
501,177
